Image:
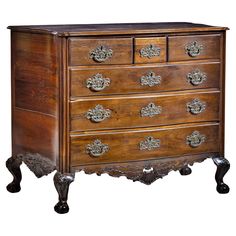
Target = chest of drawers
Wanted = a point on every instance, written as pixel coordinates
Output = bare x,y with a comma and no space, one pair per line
134,100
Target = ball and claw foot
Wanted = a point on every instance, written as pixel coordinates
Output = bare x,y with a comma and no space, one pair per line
185,171
61,207
223,166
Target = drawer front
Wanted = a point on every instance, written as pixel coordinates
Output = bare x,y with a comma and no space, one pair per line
194,47
149,50
142,79
100,51
96,148
143,111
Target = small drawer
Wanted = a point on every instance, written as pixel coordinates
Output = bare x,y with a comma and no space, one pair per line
143,111
143,79
150,50
194,47
100,51
143,144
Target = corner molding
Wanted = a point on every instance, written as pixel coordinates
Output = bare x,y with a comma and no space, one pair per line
37,163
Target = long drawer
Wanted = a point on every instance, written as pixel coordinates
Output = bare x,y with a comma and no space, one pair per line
144,110
141,79
143,144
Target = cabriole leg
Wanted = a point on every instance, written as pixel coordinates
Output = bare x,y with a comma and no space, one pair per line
13,165
62,183
223,166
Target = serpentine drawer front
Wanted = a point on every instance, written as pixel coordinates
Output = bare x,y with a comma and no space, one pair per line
134,100
106,147
143,111
104,80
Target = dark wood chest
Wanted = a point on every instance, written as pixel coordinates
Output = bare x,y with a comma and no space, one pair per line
134,100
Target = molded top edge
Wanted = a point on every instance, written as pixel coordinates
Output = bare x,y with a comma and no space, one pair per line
123,28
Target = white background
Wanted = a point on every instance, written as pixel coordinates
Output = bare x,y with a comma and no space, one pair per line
175,205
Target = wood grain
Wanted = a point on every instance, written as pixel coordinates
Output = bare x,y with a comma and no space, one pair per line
35,72
127,79
35,95
117,29
210,43
141,43
35,133
42,87
222,97
52,68
80,48
125,146
125,110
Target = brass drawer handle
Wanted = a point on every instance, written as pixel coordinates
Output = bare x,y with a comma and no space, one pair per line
196,77
151,79
97,148
149,143
193,49
97,82
151,110
195,139
196,106
101,53
98,114
150,51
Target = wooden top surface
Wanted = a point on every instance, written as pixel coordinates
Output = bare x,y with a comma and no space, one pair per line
118,29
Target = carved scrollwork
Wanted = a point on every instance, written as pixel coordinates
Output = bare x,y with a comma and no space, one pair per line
98,114
149,143
196,107
97,148
151,110
38,164
151,79
193,49
65,178
97,82
150,51
101,53
145,171
195,139
196,77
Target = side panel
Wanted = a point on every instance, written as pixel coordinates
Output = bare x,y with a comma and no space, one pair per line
35,94
35,133
36,79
